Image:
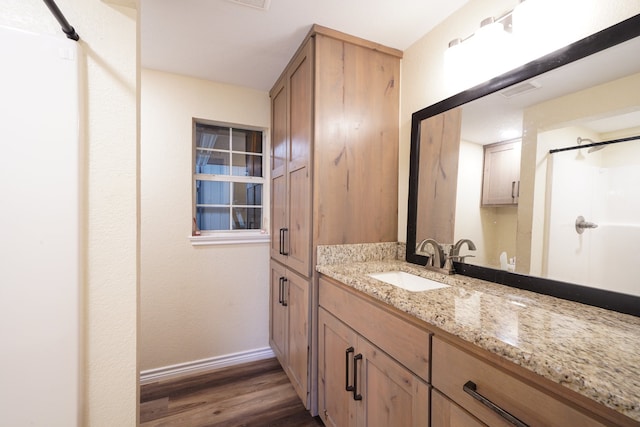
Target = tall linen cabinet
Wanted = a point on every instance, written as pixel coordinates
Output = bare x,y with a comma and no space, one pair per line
334,178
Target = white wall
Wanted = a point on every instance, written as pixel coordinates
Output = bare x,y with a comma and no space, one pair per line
423,79
602,187
40,269
554,114
196,302
109,225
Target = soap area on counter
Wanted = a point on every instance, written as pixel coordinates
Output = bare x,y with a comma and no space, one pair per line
592,351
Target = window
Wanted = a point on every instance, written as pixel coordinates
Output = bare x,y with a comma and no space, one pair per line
228,179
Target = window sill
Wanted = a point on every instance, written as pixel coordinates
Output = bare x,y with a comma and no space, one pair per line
229,238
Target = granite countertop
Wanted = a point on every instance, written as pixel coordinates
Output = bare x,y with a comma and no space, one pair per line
593,351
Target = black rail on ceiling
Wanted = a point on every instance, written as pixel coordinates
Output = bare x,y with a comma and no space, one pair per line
595,144
66,27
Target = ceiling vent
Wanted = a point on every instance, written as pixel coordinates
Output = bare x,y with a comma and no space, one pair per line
520,89
256,4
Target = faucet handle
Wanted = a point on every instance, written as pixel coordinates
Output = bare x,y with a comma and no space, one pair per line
460,258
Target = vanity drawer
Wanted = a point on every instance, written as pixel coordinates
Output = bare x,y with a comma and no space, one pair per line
445,413
453,368
398,337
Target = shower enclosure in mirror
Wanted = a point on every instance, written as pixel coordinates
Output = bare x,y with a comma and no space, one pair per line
540,168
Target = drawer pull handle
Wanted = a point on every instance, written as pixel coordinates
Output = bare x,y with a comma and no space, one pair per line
470,388
347,387
356,395
284,292
282,236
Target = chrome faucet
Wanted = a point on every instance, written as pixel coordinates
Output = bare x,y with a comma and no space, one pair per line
437,258
455,249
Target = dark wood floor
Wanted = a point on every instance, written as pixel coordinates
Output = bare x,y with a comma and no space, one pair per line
254,394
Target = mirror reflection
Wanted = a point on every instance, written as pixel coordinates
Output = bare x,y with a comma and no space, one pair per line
571,215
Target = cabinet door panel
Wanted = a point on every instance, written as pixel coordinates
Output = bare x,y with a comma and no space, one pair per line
279,129
445,413
391,394
501,179
301,88
298,166
278,216
278,315
335,403
299,222
297,301
278,169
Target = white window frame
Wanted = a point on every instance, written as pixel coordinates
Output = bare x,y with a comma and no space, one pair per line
227,237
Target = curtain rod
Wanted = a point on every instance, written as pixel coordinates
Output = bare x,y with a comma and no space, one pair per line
66,28
595,144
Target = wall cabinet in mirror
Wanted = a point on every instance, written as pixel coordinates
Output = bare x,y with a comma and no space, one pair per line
501,177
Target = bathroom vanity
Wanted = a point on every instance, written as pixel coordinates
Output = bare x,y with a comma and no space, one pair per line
389,356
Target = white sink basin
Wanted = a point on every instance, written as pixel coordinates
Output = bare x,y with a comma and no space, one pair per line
408,281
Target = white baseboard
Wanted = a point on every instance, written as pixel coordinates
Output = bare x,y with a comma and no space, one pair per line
204,365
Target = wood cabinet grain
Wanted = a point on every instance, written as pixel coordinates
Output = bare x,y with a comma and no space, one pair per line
334,159
289,326
360,385
454,367
360,382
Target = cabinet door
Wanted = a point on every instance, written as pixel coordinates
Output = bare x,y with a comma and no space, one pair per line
445,413
336,348
297,304
278,170
278,313
501,180
300,83
391,394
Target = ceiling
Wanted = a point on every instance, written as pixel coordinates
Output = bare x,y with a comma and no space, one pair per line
222,41
485,119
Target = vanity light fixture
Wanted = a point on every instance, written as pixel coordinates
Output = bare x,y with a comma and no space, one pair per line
491,30
481,55
510,40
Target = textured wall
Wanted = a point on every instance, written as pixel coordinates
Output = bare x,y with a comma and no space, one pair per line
109,305
196,302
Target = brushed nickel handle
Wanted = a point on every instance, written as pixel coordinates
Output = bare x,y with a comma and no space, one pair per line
582,224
